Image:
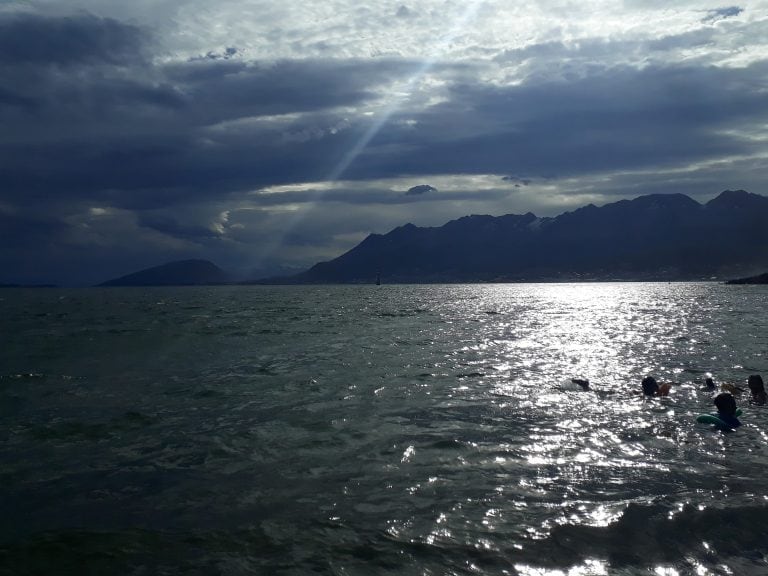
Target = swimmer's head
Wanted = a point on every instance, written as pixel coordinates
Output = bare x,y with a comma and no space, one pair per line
709,383
755,383
650,387
725,404
581,382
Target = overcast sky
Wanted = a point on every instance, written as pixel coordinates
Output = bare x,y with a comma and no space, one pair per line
263,133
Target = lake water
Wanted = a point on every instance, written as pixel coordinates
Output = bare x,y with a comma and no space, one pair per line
366,430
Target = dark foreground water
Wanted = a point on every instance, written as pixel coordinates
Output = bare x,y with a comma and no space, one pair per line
404,430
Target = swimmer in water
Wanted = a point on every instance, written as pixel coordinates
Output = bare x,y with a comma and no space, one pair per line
757,389
709,384
581,382
652,388
585,386
726,411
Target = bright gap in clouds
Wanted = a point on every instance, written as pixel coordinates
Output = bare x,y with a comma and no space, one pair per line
399,96
354,29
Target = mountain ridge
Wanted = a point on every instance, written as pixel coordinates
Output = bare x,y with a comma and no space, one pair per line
651,237
193,272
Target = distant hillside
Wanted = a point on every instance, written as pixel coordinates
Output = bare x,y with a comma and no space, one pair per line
759,279
181,273
653,237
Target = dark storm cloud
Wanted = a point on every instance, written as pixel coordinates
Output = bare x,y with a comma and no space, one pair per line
223,90
517,180
116,128
10,99
228,53
161,135
722,13
70,79
34,247
31,39
420,189
167,224
31,226
615,119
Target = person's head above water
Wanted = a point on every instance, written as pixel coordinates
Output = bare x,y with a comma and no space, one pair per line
584,383
755,383
725,404
650,386
757,390
709,383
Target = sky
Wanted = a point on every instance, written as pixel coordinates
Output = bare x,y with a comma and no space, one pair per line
268,135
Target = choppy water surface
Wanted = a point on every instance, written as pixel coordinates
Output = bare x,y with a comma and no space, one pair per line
379,430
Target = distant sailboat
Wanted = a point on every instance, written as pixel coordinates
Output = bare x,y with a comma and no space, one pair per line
378,278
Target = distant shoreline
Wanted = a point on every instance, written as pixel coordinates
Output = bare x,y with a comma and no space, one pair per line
30,286
393,283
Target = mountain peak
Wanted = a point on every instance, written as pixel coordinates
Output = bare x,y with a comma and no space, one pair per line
666,201
178,273
733,198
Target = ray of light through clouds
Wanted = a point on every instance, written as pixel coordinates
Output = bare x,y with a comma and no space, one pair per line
262,134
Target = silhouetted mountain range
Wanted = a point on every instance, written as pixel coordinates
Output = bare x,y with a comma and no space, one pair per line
759,279
653,237
180,273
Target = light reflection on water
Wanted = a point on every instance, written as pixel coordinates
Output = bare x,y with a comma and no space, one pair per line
388,430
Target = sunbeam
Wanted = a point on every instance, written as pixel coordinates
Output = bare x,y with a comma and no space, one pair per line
395,103
401,96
